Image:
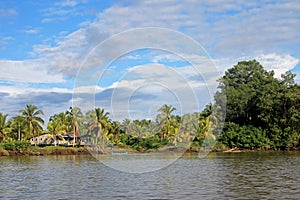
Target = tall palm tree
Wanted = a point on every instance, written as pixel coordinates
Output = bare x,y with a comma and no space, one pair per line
4,126
115,129
126,125
75,115
188,127
205,126
164,119
102,122
33,121
138,130
152,128
17,125
62,121
55,127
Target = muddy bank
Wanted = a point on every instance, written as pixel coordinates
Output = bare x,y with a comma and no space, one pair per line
40,151
44,151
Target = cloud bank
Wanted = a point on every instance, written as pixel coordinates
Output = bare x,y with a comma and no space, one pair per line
228,31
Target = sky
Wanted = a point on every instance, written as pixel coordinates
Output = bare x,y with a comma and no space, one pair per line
131,57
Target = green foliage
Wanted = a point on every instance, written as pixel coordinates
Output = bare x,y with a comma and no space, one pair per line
244,137
16,145
143,144
220,147
17,128
75,119
4,127
32,120
165,118
261,111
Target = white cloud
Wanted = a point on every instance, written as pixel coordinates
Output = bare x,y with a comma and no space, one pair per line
278,63
31,31
230,30
128,84
264,27
8,38
91,89
68,3
19,89
8,12
63,10
27,71
4,41
297,78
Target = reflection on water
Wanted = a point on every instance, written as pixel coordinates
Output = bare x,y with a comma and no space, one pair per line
273,175
139,163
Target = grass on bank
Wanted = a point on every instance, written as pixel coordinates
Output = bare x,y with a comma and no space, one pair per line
24,148
15,146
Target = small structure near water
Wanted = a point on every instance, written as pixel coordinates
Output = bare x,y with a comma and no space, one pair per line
39,140
56,140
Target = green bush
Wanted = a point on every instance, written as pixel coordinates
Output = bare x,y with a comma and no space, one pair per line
143,144
17,145
219,147
245,137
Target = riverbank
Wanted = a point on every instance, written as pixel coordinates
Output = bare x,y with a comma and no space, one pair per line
52,150
41,151
58,150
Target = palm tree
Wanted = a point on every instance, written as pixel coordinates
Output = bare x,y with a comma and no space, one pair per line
63,120
205,125
115,129
75,115
55,127
143,129
126,125
4,126
137,130
152,128
188,127
102,122
32,120
17,125
164,119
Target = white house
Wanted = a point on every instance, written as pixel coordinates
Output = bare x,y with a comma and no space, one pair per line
40,140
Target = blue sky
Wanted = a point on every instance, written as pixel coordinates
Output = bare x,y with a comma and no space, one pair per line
45,44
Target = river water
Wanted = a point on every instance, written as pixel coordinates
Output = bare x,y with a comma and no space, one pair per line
272,175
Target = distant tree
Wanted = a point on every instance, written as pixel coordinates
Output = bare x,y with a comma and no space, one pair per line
125,126
101,123
259,106
75,116
164,119
4,126
137,130
33,121
18,125
243,84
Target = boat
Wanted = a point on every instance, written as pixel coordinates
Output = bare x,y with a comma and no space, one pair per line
119,153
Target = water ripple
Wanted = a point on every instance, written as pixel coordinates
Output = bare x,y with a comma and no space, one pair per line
273,175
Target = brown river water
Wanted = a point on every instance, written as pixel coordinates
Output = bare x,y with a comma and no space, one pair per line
246,175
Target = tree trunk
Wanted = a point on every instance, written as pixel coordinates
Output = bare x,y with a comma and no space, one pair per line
19,134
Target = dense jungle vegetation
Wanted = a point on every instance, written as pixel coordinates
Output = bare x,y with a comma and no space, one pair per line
252,110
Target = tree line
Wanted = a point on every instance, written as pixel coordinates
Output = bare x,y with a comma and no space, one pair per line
100,129
252,110
262,112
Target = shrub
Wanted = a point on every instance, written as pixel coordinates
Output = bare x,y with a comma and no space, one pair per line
17,145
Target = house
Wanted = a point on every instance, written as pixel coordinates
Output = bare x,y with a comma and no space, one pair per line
59,139
40,140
